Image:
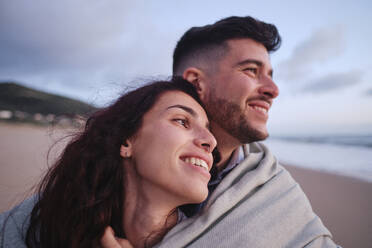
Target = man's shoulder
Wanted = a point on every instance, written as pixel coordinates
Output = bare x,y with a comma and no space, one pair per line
259,153
256,200
264,162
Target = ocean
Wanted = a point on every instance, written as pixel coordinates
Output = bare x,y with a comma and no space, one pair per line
349,155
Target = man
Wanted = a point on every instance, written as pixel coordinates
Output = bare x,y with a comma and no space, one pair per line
253,201
233,76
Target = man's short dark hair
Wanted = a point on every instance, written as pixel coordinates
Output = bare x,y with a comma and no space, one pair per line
208,42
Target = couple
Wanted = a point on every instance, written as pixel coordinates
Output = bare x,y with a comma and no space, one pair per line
141,174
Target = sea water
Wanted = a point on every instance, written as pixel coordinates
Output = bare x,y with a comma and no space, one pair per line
349,155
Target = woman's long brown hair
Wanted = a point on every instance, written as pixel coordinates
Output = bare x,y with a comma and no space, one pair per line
83,192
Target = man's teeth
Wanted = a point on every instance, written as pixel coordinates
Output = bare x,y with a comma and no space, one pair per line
197,162
263,110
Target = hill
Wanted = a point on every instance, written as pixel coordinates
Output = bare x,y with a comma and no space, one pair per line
15,97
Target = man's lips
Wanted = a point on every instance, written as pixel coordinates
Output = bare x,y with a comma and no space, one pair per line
262,106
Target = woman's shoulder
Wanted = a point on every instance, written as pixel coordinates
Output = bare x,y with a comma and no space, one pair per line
14,223
20,212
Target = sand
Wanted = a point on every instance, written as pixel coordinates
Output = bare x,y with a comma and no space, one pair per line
23,159
343,203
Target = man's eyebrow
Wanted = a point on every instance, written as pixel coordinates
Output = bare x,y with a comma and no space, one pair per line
254,61
187,109
250,61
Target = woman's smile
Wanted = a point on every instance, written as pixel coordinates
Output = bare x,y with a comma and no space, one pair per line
173,150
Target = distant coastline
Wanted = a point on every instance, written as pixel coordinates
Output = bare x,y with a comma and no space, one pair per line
38,119
21,104
364,140
343,155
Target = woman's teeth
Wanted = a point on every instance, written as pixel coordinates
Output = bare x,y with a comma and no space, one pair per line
197,162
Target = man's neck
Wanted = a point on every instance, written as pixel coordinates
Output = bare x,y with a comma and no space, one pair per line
226,145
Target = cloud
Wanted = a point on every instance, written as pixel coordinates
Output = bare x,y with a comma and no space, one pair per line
76,44
323,45
40,33
368,92
333,82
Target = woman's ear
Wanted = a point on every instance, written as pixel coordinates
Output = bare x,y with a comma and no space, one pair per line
196,77
126,149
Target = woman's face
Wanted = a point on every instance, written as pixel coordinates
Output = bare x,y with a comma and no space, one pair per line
172,150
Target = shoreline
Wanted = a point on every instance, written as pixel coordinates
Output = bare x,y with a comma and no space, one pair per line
350,161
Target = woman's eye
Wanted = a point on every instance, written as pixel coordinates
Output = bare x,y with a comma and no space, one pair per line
183,122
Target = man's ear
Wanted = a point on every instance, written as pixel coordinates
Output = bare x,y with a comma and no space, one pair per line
126,149
197,78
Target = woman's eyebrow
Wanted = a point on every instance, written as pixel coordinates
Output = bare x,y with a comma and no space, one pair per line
187,109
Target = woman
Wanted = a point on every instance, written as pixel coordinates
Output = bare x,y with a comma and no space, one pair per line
133,165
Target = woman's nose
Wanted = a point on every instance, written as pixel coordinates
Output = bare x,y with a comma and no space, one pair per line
206,140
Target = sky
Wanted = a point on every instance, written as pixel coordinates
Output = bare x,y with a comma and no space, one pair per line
92,50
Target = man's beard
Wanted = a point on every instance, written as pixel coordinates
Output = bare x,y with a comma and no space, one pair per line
230,117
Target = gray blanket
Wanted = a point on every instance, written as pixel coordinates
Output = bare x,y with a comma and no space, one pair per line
257,205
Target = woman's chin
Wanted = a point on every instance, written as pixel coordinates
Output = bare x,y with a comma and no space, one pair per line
198,197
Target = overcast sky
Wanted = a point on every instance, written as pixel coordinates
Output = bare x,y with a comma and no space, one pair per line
90,49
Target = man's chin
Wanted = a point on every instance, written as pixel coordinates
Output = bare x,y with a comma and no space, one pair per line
250,135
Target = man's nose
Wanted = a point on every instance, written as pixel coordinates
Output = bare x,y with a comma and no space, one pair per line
268,87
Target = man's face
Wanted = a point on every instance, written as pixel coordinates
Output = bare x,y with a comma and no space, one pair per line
240,91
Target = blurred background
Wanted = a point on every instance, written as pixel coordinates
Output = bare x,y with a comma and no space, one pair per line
91,51
86,49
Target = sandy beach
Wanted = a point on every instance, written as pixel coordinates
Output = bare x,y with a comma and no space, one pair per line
343,203
23,159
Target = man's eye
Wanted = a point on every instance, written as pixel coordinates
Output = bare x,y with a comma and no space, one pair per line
251,69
